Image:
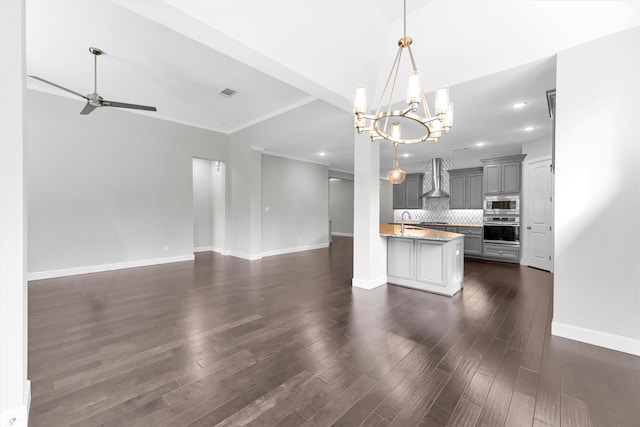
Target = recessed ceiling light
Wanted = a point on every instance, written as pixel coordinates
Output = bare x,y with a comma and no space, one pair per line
519,105
322,154
406,155
528,128
480,144
227,92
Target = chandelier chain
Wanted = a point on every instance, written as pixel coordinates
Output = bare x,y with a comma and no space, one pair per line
405,20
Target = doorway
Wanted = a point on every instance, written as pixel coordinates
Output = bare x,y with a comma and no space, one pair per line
538,220
340,207
209,206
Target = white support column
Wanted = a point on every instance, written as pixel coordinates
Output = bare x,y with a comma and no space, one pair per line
369,249
15,393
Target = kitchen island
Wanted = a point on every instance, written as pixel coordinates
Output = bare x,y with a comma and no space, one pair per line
424,259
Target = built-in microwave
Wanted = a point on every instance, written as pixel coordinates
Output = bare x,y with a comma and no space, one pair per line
502,205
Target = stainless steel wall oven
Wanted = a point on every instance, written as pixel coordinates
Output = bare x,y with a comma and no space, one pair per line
502,230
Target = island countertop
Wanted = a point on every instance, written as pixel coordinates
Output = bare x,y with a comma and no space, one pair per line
411,232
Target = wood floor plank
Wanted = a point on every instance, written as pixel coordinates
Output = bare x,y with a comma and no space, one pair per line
574,412
286,340
465,414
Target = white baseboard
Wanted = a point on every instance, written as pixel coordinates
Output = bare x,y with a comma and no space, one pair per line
50,274
337,233
248,257
210,249
601,339
369,284
296,249
19,414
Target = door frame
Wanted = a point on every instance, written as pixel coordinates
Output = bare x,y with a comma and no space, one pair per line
524,214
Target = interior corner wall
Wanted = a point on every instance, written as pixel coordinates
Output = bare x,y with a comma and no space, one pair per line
295,205
597,186
109,188
537,148
341,206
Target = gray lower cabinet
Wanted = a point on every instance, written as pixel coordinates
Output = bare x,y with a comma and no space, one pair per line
502,252
465,186
472,241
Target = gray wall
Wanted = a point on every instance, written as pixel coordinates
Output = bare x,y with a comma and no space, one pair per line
245,204
341,206
296,195
597,212
386,202
110,187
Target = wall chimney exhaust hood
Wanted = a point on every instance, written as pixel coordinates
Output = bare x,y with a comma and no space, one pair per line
436,170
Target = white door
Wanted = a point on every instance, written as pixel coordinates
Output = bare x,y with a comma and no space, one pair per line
539,220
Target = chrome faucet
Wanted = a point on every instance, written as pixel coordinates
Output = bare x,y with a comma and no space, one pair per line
402,221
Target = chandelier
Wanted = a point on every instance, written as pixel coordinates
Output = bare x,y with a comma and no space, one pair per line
415,123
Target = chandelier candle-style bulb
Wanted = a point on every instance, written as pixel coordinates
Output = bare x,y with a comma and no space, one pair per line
396,132
442,100
436,130
414,88
360,100
448,118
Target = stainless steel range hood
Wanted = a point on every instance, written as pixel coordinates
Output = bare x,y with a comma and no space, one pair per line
436,170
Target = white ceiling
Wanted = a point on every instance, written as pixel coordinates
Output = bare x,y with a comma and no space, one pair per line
302,58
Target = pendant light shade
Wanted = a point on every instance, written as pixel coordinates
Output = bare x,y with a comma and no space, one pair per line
396,175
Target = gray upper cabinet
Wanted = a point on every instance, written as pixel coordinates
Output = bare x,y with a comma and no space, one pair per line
465,186
408,194
502,175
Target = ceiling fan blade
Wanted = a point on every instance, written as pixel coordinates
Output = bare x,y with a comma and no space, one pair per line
59,87
87,109
125,105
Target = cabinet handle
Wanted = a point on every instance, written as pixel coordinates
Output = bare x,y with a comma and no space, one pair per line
528,228
500,252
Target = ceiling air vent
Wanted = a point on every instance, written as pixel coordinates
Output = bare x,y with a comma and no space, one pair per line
227,92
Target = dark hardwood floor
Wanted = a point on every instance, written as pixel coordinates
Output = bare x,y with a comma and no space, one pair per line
286,341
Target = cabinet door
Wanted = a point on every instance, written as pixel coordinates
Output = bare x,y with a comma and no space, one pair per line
401,258
413,186
511,177
492,179
458,192
474,191
399,196
473,245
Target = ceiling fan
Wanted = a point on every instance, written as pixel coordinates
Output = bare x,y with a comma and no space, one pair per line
93,99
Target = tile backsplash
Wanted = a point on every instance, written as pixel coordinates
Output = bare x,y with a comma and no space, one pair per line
437,210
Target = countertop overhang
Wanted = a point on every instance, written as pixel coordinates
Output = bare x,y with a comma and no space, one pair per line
412,232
